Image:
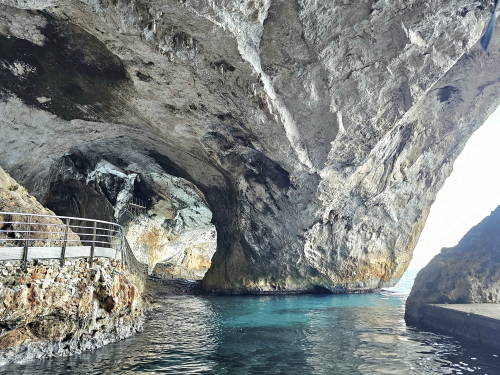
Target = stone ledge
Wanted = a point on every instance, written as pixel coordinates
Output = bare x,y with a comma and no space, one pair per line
476,323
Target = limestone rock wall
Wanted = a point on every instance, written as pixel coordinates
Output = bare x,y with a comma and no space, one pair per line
165,218
319,131
466,273
175,237
15,198
53,310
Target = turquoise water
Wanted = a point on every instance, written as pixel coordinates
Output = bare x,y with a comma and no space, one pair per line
403,287
311,334
314,334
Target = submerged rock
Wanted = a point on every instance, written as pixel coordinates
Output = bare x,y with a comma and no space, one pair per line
466,273
319,132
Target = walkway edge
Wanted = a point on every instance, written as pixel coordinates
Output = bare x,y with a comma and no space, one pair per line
476,323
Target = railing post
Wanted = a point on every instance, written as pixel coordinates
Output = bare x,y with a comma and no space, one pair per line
65,241
24,261
125,250
92,245
122,246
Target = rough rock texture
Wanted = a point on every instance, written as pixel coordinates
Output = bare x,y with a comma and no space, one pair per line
466,273
166,219
15,198
318,131
175,234
60,310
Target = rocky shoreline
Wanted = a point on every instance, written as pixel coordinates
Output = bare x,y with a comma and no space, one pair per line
468,273
53,310
58,348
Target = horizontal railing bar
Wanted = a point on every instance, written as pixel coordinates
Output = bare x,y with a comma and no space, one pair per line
33,223
104,234
60,217
97,228
55,258
44,232
52,240
58,225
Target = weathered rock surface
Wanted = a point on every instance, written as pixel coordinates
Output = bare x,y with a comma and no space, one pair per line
174,236
166,219
318,131
49,309
14,198
54,310
466,273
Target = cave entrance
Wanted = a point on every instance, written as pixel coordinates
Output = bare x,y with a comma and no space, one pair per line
469,194
167,220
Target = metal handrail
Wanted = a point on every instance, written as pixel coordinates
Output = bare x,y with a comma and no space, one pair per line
59,225
42,231
52,240
112,237
61,217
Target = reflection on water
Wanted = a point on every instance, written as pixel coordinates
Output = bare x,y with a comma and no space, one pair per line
351,334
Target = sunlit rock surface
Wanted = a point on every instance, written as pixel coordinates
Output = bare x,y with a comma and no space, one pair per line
165,218
318,131
175,236
466,273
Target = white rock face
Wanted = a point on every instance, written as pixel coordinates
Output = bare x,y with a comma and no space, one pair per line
170,223
177,231
318,131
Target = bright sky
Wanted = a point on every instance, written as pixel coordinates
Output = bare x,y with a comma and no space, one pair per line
470,193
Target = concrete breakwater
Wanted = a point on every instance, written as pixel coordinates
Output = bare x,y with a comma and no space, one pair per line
477,323
52,309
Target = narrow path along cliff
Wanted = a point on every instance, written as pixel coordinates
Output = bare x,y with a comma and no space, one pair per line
85,298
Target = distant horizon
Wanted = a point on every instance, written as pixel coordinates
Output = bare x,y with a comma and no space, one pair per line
470,193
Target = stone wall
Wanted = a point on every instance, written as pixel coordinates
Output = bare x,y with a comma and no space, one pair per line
53,310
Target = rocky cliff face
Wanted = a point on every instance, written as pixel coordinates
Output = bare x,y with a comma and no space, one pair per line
466,273
48,309
174,236
52,310
318,131
14,198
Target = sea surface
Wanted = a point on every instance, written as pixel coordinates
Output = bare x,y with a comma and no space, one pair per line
310,334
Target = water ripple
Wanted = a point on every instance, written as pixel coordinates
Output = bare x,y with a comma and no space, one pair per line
357,334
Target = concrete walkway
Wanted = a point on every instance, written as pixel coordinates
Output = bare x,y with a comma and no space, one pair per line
476,323
48,252
488,310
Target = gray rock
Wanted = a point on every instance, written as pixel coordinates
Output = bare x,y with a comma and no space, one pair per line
466,273
318,131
